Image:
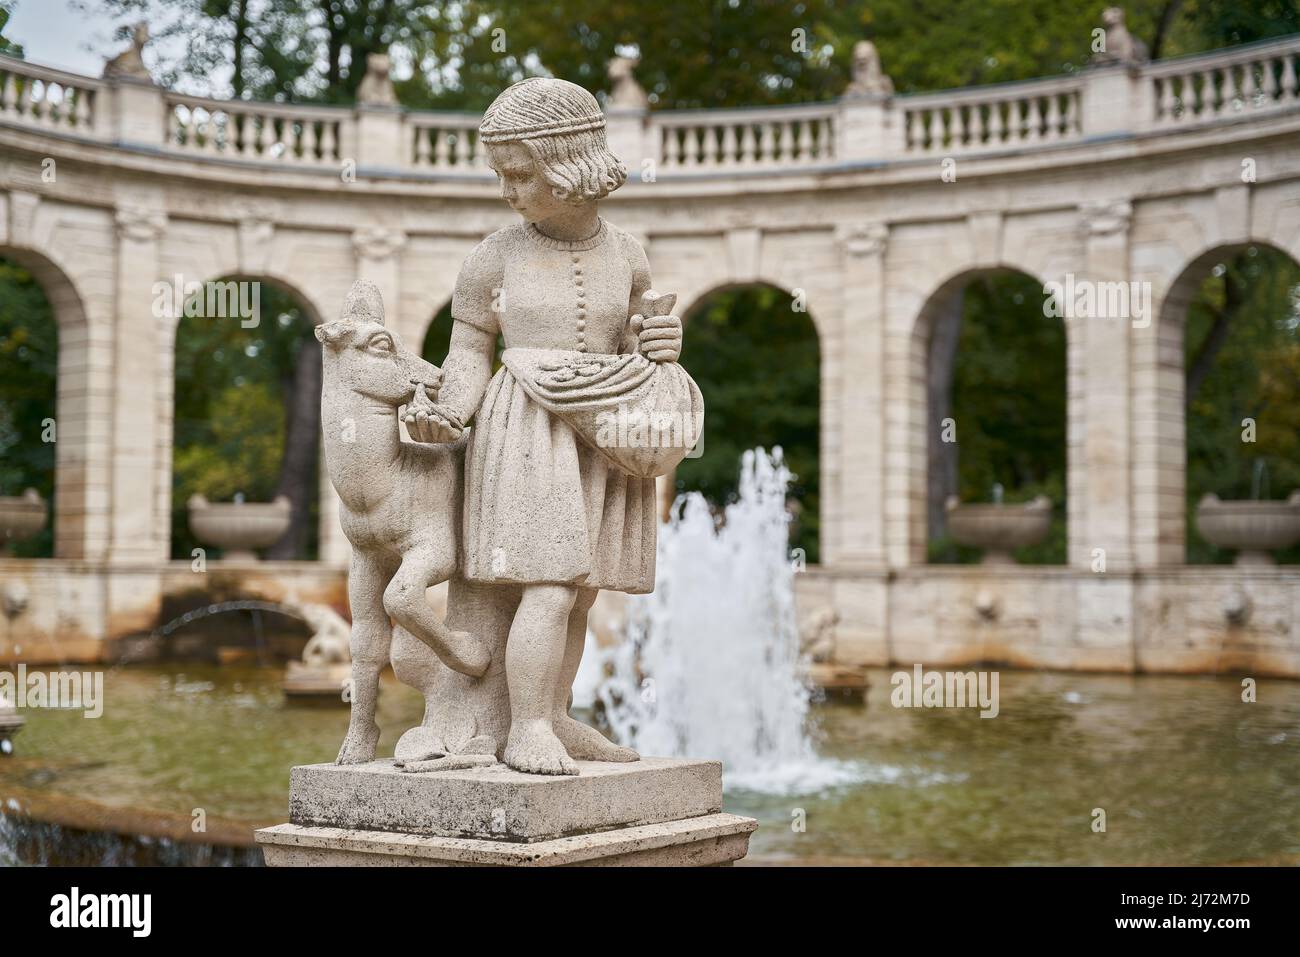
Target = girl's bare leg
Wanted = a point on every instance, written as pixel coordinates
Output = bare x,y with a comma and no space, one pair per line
534,658
582,742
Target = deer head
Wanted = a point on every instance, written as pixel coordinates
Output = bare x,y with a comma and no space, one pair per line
369,359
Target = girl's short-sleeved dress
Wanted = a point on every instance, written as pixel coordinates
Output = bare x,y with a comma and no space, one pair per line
541,505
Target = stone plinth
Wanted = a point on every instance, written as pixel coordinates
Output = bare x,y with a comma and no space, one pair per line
657,811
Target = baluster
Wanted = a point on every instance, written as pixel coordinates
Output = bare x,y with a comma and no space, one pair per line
710,138
803,140
827,151
442,150
748,145
998,123
37,103
1288,76
81,110
7,94
979,126
728,156
961,126
1270,81
421,144
1227,88
216,134
1052,121
1249,86
330,141
766,143
462,148
25,98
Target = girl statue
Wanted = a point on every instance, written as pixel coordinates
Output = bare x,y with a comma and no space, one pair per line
551,510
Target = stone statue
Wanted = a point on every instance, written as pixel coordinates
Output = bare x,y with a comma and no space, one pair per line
129,63
625,93
1120,46
376,86
550,497
868,78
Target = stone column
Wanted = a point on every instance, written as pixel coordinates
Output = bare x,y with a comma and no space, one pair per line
138,539
135,532
1100,456
1105,450
861,454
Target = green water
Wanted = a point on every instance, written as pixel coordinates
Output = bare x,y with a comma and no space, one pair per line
1186,772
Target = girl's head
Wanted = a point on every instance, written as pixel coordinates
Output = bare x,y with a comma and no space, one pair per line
546,140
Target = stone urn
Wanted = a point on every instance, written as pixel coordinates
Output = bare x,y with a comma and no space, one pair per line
999,529
21,516
1253,528
237,528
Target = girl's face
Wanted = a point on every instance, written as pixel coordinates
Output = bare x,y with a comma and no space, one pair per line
522,184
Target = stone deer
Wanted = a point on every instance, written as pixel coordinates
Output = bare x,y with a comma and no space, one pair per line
400,509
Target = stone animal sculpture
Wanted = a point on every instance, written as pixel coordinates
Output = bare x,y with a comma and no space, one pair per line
1120,45
399,505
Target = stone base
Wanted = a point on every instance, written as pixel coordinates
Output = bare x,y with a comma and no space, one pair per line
657,811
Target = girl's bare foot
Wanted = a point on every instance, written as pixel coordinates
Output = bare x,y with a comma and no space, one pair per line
587,744
533,748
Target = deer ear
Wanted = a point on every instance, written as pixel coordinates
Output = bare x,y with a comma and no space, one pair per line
332,334
364,303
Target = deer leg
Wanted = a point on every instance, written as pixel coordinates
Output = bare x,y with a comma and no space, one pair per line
423,566
371,637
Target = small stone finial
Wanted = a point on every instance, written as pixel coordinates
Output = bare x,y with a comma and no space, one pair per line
129,64
868,78
625,93
377,86
1118,45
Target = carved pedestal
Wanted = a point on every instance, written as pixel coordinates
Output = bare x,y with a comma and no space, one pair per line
658,811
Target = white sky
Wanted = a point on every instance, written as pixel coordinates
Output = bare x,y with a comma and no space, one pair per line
53,34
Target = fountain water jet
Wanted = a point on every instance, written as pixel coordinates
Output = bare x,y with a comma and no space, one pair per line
710,661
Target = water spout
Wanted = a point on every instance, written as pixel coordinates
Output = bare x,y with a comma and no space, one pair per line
710,664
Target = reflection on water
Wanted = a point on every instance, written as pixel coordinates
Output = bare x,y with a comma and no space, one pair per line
1185,771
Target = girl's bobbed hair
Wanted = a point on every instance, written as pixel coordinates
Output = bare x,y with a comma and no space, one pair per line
561,125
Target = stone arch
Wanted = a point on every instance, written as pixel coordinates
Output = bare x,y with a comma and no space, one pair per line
819,483
1163,534
945,297
311,315
81,402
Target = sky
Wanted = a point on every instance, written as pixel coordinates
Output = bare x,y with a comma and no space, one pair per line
54,34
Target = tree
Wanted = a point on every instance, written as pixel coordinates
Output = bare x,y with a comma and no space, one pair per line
29,356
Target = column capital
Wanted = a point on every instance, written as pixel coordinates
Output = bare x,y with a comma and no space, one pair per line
377,242
1106,217
864,239
141,223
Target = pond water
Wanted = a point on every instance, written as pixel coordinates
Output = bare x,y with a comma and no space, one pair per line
1186,772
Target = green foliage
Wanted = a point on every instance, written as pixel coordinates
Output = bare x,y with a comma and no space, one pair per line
29,356
7,46
757,362
694,53
1256,375
231,386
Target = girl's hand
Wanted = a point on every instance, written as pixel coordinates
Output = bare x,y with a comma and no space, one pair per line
427,421
659,337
